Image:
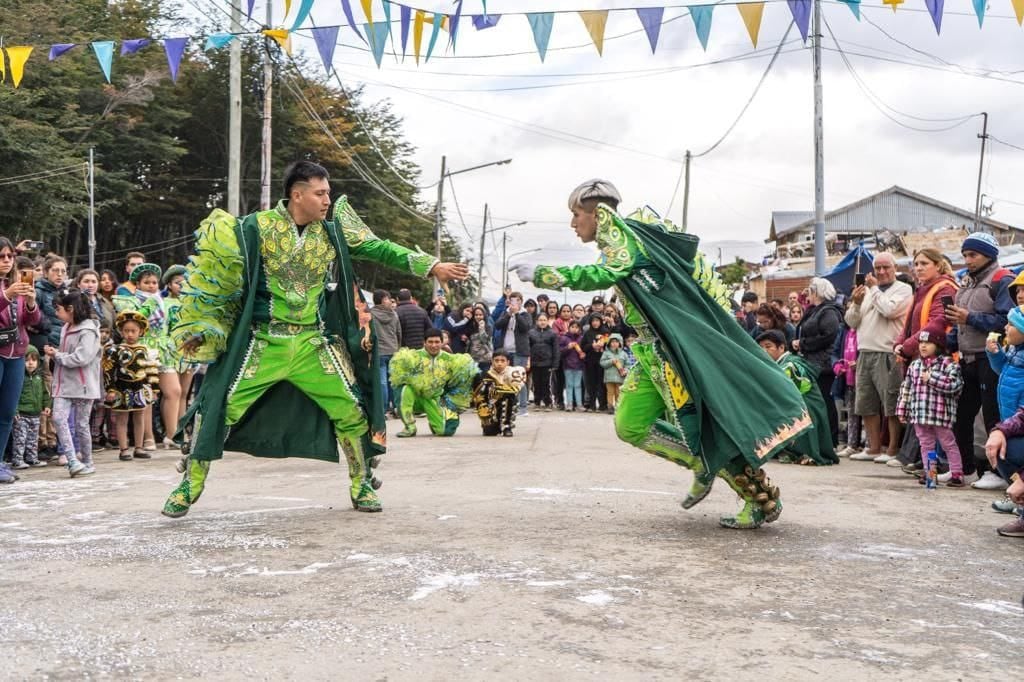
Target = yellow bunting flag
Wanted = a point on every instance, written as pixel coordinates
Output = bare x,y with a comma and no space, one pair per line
417,34
3,67
595,21
752,13
894,3
18,57
1018,7
281,36
287,6
367,10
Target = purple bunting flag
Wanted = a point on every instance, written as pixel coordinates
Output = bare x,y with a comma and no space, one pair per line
326,39
248,11
651,17
801,10
174,47
133,46
347,9
406,17
59,49
935,9
482,21
453,28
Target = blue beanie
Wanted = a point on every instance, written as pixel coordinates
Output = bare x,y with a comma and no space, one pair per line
1016,317
983,243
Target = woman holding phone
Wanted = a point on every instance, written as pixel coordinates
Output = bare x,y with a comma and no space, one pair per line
18,310
935,289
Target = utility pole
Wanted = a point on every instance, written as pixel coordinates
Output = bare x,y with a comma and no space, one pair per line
981,168
504,259
686,189
92,210
819,149
439,212
268,102
483,233
235,114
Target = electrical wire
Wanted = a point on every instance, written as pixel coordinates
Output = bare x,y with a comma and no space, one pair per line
41,175
458,209
1005,144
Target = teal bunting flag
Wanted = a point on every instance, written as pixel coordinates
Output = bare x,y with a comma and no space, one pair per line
540,24
304,9
854,6
979,9
215,41
104,50
377,32
438,19
701,15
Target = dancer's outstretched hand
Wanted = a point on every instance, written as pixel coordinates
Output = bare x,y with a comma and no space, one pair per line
447,272
524,271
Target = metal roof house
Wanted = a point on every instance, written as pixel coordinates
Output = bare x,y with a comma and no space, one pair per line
895,210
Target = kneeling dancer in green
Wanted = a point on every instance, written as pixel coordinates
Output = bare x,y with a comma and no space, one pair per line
295,371
433,382
702,394
814,447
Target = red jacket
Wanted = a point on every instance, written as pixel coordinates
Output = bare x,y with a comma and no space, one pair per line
936,319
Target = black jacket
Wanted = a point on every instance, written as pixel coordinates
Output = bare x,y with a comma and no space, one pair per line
414,321
817,333
543,348
524,323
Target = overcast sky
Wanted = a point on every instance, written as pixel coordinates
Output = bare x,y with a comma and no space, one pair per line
475,109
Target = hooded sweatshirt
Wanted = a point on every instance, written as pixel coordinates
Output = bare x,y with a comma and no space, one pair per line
613,360
34,396
388,330
76,370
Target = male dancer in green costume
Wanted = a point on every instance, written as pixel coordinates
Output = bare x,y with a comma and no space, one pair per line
295,370
812,447
432,381
702,394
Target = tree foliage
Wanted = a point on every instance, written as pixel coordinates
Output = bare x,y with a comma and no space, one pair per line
162,148
735,272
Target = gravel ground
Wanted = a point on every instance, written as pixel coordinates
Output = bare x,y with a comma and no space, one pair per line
557,554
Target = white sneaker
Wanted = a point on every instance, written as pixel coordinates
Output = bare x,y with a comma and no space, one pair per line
847,451
883,459
946,477
990,481
863,456
894,463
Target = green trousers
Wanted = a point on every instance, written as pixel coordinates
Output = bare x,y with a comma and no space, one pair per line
443,420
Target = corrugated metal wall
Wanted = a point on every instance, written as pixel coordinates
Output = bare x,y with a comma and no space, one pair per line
893,211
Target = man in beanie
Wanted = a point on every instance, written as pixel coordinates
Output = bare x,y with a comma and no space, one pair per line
982,304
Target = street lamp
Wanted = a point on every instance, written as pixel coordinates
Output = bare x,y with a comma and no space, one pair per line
445,173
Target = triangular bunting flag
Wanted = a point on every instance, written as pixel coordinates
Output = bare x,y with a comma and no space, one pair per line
248,11
701,15
455,24
595,21
417,34
174,47
367,10
347,9
60,48
540,24
281,36
854,6
1018,7
287,7
405,14
326,39
133,46
979,9
387,17
650,18
482,21
216,41
752,12
3,67
18,57
893,3
438,20
104,50
378,35
304,9
801,10
935,9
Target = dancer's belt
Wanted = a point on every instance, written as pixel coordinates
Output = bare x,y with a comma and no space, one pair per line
285,328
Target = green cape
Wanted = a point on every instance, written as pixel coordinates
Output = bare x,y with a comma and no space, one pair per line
816,443
284,422
745,405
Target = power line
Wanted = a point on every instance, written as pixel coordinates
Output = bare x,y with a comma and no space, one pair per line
41,175
458,209
1005,144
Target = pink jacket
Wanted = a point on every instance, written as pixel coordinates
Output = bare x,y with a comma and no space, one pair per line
848,363
26,318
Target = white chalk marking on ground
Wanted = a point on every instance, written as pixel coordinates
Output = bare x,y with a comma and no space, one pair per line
358,557
71,539
1003,608
282,499
87,515
270,510
631,490
307,570
442,581
546,583
543,491
596,598
445,517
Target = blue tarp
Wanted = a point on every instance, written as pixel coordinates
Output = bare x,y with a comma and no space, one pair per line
859,260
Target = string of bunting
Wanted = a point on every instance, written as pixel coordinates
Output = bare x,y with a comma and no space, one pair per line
376,33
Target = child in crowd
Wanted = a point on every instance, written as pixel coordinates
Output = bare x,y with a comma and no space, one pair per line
446,341
613,360
572,364
1009,364
928,399
34,401
844,366
496,395
129,376
543,357
76,378
104,434
628,349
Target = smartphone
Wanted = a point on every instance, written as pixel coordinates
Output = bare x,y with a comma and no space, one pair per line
858,279
35,246
947,301
28,277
